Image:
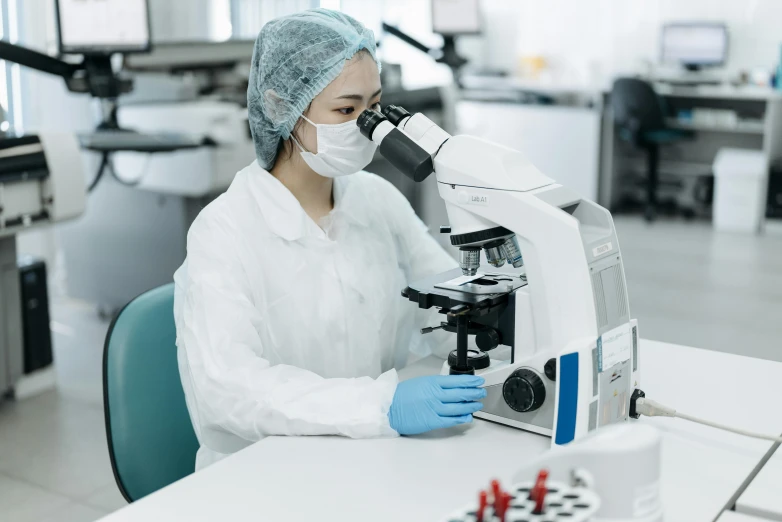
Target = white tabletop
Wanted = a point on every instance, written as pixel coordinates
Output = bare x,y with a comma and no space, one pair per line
426,477
763,497
732,516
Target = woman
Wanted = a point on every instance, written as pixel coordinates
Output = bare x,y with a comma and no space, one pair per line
289,319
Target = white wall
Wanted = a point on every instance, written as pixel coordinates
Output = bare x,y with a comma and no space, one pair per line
175,20
584,39
618,36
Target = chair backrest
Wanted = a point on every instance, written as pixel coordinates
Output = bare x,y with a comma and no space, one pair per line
636,106
150,436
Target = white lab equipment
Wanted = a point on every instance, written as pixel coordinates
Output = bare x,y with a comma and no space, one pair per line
572,365
287,328
611,475
621,464
41,182
741,181
109,26
540,499
456,17
191,173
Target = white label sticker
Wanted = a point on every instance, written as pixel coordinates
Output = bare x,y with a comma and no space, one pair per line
476,199
602,249
614,346
646,500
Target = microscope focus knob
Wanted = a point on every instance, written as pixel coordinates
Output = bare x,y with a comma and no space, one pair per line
487,339
524,390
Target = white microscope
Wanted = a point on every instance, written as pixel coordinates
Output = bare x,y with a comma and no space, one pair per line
573,349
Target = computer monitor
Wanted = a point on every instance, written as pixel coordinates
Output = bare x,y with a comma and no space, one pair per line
102,27
695,44
455,17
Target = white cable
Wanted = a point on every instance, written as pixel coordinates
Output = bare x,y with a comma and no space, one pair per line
652,408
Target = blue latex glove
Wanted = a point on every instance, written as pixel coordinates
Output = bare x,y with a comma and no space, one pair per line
437,401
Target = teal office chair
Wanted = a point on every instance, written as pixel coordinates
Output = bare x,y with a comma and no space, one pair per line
151,440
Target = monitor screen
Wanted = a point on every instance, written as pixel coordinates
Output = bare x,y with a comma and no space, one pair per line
695,44
454,17
103,26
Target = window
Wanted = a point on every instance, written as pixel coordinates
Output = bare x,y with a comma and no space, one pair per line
10,78
248,16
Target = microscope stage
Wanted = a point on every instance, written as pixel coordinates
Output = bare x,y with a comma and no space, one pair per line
450,289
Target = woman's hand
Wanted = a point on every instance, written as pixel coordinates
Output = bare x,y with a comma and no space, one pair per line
439,401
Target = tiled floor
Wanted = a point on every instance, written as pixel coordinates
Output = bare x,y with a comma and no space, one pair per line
54,465
687,285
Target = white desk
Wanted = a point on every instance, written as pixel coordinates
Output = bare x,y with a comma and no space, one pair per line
426,477
763,496
732,516
724,91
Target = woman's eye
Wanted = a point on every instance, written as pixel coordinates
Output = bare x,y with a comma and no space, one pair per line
376,106
346,110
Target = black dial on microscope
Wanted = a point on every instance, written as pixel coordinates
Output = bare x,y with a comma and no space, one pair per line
524,390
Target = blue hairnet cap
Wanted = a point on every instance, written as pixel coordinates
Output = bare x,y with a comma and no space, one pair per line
294,59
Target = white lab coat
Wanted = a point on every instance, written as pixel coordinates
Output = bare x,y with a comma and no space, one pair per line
286,329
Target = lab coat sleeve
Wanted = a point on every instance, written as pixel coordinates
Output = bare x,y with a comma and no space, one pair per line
233,387
424,257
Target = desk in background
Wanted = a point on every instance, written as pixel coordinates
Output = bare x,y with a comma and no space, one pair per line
567,130
759,127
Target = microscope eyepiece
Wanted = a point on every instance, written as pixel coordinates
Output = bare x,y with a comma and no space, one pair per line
368,120
396,146
395,114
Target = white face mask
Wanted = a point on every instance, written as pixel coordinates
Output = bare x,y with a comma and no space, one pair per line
342,150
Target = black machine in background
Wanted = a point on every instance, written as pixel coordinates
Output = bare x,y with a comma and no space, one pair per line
37,338
639,117
774,205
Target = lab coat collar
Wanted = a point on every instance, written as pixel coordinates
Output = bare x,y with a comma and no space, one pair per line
282,211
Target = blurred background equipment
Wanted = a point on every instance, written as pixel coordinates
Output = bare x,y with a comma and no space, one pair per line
695,45
740,190
638,113
37,339
774,203
40,184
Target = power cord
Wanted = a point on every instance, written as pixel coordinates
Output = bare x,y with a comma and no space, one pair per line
650,408
106,163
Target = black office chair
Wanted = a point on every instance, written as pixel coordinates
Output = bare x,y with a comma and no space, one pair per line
639,117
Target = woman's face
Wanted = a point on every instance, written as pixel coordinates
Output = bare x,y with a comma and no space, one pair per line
357,88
